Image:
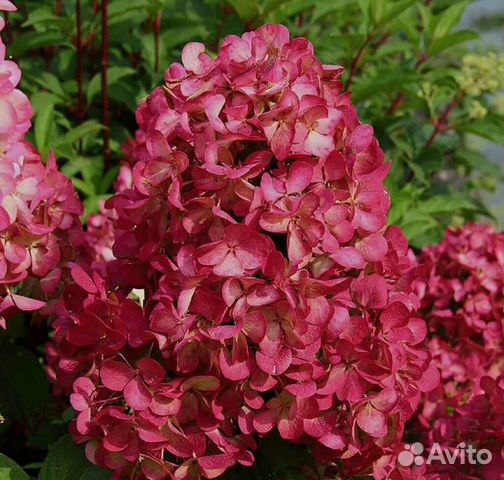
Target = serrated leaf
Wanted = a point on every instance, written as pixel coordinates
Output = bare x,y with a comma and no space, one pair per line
114,74
67,461
10,470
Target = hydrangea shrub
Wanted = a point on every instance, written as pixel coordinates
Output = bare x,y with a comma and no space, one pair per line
274,297
38,205
243,282
461,289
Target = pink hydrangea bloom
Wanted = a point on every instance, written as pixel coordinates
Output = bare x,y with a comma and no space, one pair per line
461,289
254,285
38,205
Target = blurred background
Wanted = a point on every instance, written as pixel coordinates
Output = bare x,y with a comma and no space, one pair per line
487,18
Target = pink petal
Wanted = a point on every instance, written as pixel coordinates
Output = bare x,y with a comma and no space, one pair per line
372,421
360,138
373,248
430,379
151,371
348,257
137,394
191,56
82,279
265,421
290,429
299,177
116,375
275,364
8,6
26,304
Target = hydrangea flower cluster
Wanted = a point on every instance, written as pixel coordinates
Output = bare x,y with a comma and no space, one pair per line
462,298
38,205
461,286
254,286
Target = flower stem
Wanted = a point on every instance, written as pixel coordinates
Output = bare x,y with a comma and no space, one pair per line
442,121
357,59
157,28
105,98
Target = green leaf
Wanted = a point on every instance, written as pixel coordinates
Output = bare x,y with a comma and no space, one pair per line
395,9
114,74
490,127
119,8
43,126
32,40
383,82
451,40
417,224
246,9
78,132
108,179
440,204
24,388
378,10
174,36
10,470
270,6
66,461
46,16
448,19
85,187
481,163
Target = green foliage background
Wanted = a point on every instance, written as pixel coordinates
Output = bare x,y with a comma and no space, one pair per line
403,61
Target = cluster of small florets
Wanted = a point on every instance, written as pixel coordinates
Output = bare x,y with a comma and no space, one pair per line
255,285
461,289
462,299
481,73
38,205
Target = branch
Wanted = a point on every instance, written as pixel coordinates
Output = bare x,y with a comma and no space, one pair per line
79,74
396,103
156,28
105,99
441,122
357,59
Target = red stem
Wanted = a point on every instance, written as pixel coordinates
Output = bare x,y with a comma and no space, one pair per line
58,7
105,98
356,60
441,122
157,28
78,45
396,103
